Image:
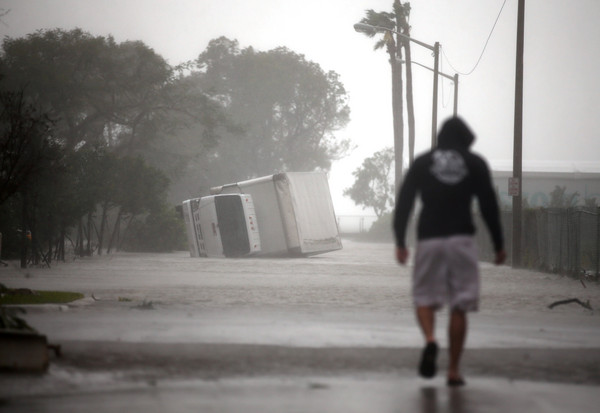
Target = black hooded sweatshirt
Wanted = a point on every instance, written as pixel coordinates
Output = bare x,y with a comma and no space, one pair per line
447,179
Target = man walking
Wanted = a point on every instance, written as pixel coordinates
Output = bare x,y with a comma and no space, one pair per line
446,270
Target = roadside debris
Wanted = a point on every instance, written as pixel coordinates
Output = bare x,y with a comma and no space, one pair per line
572,300
146,305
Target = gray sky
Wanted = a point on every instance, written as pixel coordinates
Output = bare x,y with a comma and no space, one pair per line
561,89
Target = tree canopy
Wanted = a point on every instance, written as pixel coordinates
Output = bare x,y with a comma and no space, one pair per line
108,104
373,186
99,90
288,109
25,142
95,130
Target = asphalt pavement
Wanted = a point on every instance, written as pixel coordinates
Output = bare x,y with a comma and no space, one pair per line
330,333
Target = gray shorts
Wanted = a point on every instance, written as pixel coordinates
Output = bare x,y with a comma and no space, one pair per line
447,271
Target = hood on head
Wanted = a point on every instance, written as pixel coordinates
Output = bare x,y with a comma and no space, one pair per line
455,134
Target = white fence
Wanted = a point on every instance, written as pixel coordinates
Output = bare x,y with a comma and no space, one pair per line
355,224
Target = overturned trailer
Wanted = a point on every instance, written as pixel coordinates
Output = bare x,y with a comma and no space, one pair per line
294,211
291,215
191,210
221,226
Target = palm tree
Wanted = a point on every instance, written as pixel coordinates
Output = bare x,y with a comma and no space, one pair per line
388,20
402,12
396,21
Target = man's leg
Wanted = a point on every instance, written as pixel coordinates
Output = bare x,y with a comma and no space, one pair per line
429,292
457,331
464,297
426,319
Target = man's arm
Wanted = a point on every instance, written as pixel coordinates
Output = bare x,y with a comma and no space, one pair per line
402,255
404,204
500,257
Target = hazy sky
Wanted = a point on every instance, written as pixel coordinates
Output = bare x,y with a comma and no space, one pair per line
561,85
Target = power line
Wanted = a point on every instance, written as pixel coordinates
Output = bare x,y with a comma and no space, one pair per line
484,47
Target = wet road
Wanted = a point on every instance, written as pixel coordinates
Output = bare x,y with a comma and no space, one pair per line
165,332
318,394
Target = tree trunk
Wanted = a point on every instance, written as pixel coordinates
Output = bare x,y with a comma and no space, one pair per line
120,244
24,239
410,110
89,235
61,245
79,243
32,235
397,113
115,232
50,251
102,225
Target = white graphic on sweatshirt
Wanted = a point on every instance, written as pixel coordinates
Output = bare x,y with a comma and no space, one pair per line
448,166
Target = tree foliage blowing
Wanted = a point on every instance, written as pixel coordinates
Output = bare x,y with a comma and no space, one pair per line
287,109
373,186
95,131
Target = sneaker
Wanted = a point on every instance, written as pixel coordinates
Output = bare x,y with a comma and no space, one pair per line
427,367
456,382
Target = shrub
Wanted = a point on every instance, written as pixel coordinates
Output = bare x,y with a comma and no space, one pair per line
161,231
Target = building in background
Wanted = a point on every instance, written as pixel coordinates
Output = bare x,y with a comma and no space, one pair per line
540,179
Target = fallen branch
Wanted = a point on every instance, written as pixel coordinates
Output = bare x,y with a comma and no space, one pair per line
572,300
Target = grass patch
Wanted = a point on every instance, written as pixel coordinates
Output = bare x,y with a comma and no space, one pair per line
22,296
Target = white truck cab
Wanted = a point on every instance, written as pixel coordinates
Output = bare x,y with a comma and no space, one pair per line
225,226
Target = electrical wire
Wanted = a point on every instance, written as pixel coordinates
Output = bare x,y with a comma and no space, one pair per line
484,47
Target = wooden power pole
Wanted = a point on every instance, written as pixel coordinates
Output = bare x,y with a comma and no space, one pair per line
517,202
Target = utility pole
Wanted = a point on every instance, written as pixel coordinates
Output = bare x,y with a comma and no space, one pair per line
455,79
436,71
517,203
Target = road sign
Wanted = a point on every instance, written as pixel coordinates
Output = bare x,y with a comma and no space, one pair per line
514,187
